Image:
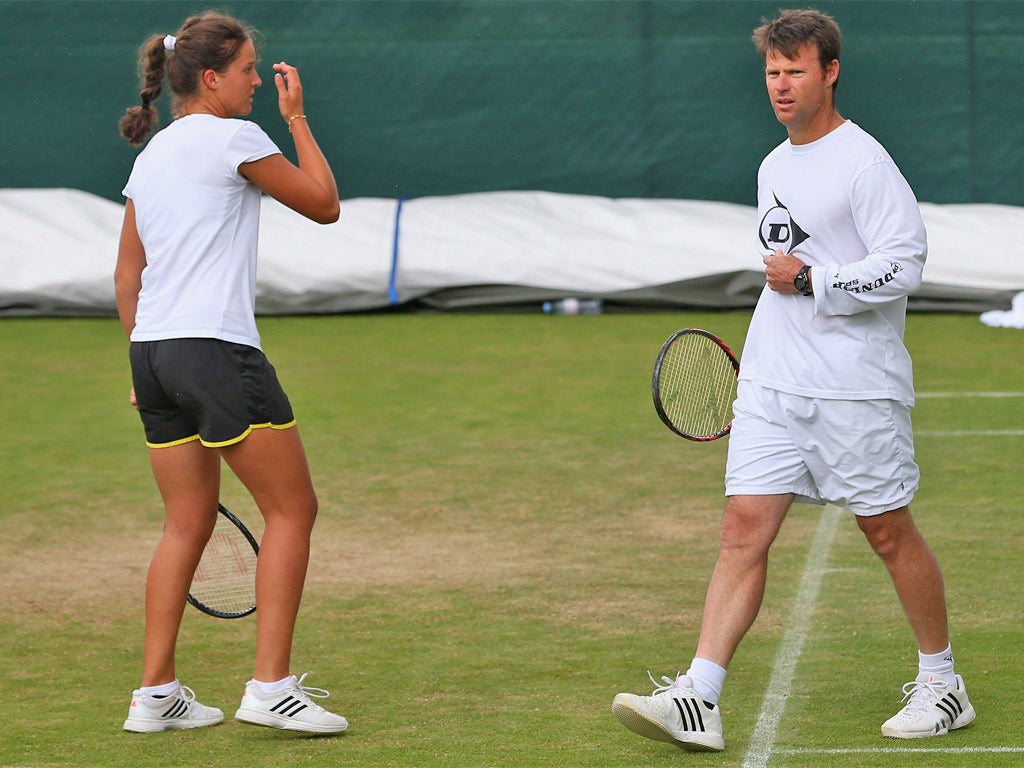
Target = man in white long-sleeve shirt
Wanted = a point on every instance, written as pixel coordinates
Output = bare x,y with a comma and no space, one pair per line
826,386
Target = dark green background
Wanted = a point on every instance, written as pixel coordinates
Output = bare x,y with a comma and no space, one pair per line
622,98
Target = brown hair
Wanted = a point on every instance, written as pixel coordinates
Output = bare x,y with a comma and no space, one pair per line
793,29
208,41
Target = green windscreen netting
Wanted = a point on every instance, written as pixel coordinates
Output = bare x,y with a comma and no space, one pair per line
620,98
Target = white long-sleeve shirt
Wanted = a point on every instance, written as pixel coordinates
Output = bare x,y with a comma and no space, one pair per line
841,205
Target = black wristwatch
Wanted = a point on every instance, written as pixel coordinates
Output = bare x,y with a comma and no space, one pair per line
802,283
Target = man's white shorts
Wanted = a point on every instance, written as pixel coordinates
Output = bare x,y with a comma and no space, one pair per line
857,454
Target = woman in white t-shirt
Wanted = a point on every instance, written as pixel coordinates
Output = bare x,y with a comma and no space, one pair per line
185,286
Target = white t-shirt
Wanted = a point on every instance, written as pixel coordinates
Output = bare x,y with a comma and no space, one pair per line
841,205
198,220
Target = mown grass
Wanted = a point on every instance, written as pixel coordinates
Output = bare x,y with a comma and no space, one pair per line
508,537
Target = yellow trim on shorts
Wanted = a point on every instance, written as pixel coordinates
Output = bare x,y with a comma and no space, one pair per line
223,443
246,433
172,443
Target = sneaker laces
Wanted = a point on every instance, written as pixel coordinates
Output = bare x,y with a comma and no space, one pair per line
186,693
309,691
667,683
921,695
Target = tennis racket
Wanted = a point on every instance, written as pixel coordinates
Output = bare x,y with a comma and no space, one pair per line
694,384
224,584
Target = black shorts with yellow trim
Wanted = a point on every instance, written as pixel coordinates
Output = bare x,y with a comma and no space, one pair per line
209,390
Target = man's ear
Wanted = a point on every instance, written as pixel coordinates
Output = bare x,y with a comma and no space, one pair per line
832,72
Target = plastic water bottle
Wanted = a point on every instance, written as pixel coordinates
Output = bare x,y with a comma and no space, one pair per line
573,306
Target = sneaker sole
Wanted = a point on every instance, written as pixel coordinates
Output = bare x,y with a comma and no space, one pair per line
155,726
270,720
640,724
966,718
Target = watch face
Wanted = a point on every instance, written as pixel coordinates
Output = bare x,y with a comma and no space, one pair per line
800,281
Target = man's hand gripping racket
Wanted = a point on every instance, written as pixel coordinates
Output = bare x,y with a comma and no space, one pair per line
694,385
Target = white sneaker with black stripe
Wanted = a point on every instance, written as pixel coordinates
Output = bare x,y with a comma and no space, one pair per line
934,708
675,713
178,711
290,710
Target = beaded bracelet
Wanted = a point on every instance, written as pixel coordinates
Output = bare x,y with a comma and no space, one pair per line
294,117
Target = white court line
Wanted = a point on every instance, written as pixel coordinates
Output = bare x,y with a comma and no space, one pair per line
969,433
970,394
902,750
774,704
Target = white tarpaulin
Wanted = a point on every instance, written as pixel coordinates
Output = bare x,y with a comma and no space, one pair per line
1011,318
494,249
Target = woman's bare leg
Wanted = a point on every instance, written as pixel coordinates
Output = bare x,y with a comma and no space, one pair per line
188,477
272,465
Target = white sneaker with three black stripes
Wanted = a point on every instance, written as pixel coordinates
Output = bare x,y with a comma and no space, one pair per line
934,708
674,713
178,711
290,710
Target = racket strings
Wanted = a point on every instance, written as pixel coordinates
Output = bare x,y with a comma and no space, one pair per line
224,581
697,386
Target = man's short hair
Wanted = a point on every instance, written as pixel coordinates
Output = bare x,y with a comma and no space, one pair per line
793,29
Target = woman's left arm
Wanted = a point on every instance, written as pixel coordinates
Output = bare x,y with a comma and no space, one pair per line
310,188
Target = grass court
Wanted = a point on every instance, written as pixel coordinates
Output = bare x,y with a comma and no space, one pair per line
508,537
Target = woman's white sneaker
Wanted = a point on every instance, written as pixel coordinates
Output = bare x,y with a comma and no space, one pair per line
290,710
178,711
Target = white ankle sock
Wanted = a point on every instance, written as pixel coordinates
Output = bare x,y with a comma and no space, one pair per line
276,687
708,679
938,666
161,691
